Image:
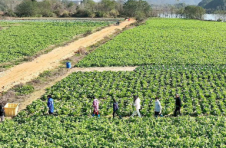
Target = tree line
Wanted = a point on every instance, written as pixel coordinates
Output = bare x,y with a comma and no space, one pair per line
88,8
139,9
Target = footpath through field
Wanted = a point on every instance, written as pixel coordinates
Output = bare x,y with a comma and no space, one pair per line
25,72
37,94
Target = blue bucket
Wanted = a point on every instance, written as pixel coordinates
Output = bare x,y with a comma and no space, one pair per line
68,65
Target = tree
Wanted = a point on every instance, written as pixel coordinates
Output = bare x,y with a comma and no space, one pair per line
107,5
138,9
27,8
3,6
194,12
130,8
44,9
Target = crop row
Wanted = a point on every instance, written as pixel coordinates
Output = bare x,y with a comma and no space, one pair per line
68,131
18,40
164,41
202,90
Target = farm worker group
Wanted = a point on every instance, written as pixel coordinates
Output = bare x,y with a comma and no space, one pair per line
136,104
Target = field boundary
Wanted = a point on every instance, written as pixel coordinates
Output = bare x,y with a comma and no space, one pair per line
27,71
6,65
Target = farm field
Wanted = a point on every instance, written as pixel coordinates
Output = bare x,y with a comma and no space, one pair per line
25,38
202,90
68,131
164,41
173,56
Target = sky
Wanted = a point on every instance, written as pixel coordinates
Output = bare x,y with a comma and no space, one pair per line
191,2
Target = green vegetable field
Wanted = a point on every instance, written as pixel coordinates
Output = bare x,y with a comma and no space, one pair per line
164,41
68,131
202,89
174,56
19,39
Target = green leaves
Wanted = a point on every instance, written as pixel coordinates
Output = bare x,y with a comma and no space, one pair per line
163,41
26,38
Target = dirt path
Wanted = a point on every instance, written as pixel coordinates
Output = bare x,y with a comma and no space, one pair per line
36,95
25,72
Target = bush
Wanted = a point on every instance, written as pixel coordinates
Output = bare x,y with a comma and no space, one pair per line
114,13
219,20
99,14
81,13
140,16
65,14
10,13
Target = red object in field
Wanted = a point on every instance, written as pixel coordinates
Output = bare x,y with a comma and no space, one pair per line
128,19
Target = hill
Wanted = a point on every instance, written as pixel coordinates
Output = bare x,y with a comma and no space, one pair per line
213,4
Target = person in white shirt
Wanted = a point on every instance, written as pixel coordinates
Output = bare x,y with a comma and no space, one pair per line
158,107
137,106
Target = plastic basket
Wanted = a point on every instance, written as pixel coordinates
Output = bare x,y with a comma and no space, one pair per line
11,109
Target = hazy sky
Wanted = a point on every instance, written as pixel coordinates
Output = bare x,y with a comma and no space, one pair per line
191,2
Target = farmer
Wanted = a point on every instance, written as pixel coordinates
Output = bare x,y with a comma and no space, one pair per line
96,107
118,23
158,107
116,109
137,106
50,104
178,105
2,113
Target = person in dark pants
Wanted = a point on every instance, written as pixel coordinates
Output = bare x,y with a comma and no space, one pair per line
50,104
2,113
116,109
178,105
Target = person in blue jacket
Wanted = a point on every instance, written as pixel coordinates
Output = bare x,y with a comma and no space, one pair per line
50,104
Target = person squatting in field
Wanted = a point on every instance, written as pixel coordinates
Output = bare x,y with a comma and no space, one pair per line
116,109
137,106
96,107
2,113
50,104
178,105
158,108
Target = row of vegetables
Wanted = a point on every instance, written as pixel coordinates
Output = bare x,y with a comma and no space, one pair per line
163,41
20,39
201,88
68,131
202,91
